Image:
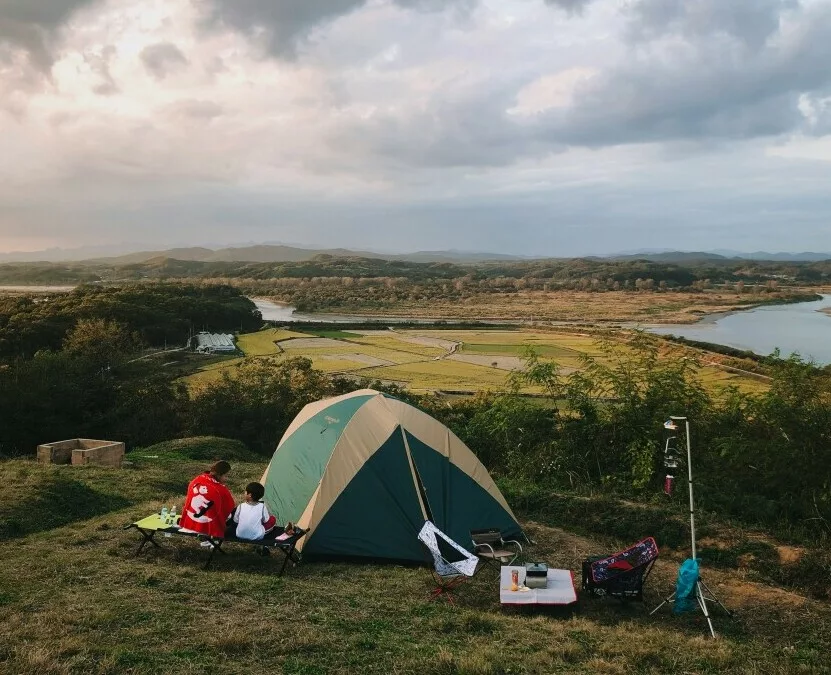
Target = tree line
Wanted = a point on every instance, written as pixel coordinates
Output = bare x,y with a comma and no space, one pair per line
156,314
599,272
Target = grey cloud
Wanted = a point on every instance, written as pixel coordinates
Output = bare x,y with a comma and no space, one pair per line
570,6
705,91
284,24
100,65
437,5
161,58
750,21
465,124
31,24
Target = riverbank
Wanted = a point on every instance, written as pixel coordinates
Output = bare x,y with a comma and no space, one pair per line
39,290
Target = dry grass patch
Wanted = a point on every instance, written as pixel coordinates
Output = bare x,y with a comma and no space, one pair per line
571,306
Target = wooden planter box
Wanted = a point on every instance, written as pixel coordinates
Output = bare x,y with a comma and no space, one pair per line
77,451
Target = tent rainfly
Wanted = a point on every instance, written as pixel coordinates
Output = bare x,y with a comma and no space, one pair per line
365,470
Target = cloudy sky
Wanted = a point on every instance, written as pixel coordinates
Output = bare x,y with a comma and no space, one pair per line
545,127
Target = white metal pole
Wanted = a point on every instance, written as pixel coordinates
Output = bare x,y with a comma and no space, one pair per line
689,475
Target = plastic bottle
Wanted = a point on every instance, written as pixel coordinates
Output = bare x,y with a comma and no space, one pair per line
164,514
173,520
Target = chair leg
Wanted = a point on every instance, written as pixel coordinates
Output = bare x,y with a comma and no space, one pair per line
446,588
445,593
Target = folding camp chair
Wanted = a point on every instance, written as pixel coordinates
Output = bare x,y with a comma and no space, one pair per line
623,574
452,564
491,547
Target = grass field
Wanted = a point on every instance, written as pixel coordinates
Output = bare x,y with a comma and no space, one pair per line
431,359
74,600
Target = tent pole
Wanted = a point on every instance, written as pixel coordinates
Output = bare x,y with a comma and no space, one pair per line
417,484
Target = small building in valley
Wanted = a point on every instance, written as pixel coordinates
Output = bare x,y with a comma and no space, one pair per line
214,343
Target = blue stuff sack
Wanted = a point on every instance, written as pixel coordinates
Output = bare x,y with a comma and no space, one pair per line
685,587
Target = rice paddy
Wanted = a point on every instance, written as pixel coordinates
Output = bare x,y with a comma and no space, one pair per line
433,359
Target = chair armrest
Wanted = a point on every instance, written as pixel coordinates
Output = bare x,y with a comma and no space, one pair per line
505,542
476,548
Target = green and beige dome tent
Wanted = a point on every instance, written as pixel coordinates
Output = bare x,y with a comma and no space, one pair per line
364,471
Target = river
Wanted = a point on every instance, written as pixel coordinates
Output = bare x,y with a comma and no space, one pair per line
798,327
273,311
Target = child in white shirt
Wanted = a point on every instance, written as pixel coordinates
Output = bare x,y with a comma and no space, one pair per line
252,519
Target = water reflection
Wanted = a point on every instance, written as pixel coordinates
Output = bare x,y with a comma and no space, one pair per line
798,327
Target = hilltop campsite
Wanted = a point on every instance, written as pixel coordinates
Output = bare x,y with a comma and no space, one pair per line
567,442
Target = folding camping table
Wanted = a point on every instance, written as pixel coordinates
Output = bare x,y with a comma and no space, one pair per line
150,526
559,588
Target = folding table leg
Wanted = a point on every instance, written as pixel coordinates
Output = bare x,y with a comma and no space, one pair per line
146,538
287,556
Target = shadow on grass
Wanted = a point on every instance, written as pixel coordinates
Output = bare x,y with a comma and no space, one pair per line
56,502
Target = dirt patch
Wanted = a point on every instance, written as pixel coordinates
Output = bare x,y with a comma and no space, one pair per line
310,343
789,555
743,594
357,358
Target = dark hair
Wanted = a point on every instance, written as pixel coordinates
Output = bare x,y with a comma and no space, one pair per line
220,468
255,490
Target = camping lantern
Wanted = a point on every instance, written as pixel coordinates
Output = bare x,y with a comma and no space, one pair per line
670,458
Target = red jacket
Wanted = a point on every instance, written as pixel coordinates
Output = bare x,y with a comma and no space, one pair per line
207,506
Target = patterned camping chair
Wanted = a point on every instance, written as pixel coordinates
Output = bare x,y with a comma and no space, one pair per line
623,574
452,564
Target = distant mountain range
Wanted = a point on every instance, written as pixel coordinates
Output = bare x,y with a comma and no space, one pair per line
264,253
268,253
670,256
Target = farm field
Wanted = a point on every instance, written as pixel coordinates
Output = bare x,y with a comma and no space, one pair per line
433,359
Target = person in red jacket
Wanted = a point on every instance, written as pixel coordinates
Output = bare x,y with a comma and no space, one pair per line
208,502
